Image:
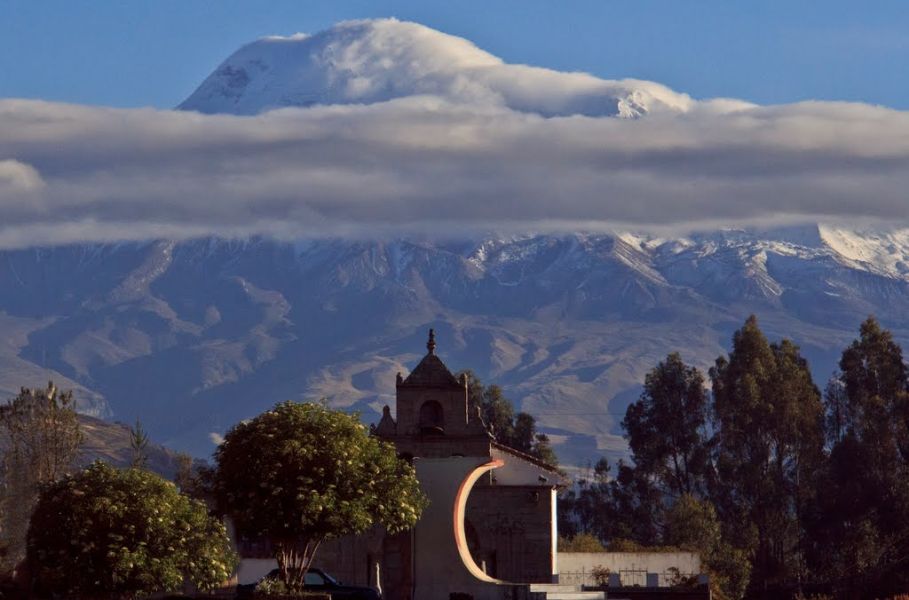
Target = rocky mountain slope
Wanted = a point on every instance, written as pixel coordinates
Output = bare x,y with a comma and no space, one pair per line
193,336
110,442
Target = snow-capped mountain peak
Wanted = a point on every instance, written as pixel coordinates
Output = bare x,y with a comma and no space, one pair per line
884,252
368,61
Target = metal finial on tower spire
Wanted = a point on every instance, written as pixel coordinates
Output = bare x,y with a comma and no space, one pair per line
431,344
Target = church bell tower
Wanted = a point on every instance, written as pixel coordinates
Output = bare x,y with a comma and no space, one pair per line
434,418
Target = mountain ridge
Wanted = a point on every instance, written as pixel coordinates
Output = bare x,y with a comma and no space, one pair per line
568,325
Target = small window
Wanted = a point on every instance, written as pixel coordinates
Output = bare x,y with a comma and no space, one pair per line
431,418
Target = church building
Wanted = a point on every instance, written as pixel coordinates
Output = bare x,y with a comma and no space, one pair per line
491,522
489,531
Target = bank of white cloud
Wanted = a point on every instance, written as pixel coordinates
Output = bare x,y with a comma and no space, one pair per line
79,173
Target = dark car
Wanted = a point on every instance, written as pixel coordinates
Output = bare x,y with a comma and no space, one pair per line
318,580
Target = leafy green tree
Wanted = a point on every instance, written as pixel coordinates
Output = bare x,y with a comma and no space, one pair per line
582,505
195,478
526,439
138,442
692,525
863,525
497,410
836,409
515,430
768,441
40,432
582,542
626,506
666,431
873,370
301,473
107,532
636,505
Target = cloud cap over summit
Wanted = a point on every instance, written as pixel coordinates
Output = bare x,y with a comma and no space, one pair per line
363,62
393,128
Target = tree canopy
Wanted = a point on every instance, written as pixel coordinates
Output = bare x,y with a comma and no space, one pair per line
41,438
768,446
862,527
107,532
300,473
732,474
692,524
582,542
781,490
515,430
666,427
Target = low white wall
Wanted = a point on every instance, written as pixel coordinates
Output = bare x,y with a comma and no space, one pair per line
575,567
252,570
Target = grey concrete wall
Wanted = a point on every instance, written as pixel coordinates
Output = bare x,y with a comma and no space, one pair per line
576,568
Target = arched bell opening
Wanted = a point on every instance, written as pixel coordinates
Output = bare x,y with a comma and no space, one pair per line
432,418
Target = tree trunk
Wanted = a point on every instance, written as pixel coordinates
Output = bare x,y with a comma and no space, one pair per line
294,560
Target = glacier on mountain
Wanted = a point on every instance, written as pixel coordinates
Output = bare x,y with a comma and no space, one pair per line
364,62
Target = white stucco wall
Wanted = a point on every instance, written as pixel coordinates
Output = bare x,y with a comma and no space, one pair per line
575,567
439,565
252,570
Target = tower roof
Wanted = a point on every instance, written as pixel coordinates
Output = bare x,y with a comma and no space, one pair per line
431,372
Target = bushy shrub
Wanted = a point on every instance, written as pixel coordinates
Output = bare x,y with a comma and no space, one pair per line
272,588
107,532
677,579
601,575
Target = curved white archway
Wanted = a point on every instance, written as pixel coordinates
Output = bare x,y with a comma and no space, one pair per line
459,514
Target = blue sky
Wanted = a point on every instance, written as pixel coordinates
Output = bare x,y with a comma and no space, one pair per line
155,53
371,163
